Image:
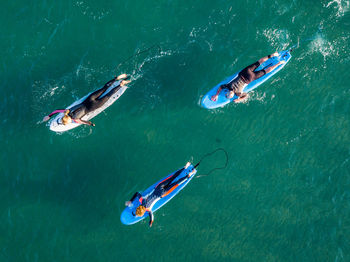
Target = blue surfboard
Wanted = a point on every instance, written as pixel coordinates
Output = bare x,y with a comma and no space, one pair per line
223,100
127,216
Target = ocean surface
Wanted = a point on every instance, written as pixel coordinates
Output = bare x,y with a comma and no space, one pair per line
285,193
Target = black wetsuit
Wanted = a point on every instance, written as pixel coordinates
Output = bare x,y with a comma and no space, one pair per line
93,101
244,77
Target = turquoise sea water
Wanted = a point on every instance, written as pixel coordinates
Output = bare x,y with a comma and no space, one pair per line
285,195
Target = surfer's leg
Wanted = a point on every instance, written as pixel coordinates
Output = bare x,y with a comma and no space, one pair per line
248,73
257,74
164,184
271,68
252,67
170,187
93,104
97,93
178,182
105,98
265,58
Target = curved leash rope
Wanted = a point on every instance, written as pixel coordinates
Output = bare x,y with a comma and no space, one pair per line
296,46
209,154
138,53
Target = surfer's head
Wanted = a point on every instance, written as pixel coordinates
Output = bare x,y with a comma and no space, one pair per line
66,119
140,211
230,94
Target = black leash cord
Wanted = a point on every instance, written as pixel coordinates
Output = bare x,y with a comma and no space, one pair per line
138,53
209,154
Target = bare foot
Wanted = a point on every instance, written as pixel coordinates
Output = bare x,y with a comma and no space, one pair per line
122,76
192,172
125,82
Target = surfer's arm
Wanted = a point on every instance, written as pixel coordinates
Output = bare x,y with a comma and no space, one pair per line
214,97
241,98
57,111
151,217
136,195
83,122
53,113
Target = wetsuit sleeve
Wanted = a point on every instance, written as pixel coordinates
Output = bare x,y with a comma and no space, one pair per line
136,195
57,111
151,218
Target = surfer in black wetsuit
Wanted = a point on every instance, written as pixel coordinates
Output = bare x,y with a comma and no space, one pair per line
91,103
164,188
244,77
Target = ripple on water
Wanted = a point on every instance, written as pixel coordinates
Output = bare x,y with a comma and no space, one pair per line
320,45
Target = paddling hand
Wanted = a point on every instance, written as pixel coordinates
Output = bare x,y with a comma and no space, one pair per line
92,124
150,223
214,98
241,99
127,203
46,118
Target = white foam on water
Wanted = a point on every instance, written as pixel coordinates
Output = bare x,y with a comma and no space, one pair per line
342,6
259,97
320,45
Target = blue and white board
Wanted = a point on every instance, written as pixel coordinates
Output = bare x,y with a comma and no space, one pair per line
56,124
222,100
128,218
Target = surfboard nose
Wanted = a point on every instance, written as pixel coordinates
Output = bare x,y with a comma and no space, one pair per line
125,218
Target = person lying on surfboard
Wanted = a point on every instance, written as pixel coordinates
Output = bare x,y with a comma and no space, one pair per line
244,77
163,189
91,103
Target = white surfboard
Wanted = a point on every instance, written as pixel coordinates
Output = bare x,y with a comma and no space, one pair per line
56,124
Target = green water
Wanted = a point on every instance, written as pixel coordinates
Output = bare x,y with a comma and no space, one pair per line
285,195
